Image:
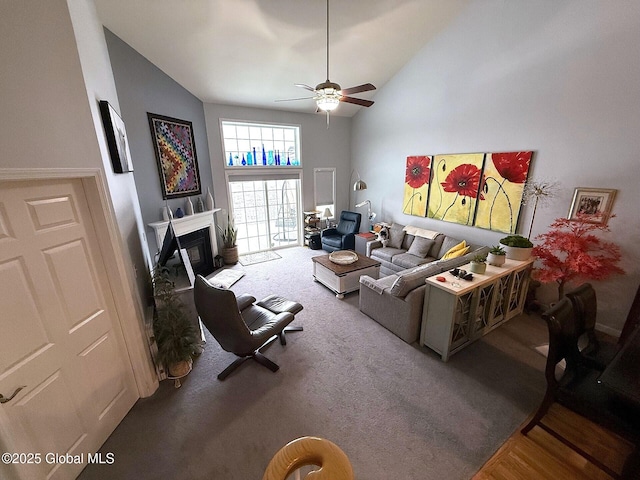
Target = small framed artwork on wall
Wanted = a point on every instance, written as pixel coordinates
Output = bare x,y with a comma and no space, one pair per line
175,151
593,203
117,140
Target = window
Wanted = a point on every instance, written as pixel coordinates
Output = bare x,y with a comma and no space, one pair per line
259,144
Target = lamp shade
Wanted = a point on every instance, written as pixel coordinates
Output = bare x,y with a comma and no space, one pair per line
328,103
327,213
359,185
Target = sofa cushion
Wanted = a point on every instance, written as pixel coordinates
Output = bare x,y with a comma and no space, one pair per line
396,236
408,280
407,241
334,241
437,244
386,253
420,246
406,260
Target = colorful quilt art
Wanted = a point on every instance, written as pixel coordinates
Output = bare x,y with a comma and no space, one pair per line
479,189
175,152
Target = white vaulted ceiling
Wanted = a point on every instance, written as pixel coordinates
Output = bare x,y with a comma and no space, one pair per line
252,52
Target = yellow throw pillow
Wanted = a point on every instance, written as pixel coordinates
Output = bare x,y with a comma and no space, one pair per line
459,246
453,253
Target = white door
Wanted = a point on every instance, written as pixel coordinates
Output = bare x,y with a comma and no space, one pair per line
59,337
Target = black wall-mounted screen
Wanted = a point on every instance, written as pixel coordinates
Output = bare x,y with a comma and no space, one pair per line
169,246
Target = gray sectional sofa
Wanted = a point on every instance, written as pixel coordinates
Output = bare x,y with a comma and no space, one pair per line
396,300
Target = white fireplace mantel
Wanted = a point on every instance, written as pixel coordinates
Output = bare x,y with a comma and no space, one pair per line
188,224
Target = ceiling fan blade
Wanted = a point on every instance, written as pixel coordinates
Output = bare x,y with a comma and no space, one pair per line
304,85
292,99
357,101
360,88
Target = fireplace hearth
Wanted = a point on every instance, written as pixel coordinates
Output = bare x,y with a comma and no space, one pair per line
198,247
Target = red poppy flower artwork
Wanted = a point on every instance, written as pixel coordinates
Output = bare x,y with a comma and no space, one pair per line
506,174
418,171
513,166
464,180
416,185
457,184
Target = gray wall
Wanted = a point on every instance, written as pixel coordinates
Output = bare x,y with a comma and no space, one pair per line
320,147
559,78
143,87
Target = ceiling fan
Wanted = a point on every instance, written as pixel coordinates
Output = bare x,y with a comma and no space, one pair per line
328,94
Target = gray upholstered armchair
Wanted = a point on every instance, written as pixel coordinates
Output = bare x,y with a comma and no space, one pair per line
343,237
241,326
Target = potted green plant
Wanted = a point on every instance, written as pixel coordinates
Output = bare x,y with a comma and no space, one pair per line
517,247
175,333
496,256
229,248
478,264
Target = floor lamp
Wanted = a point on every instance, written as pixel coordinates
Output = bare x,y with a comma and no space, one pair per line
370,214
358,185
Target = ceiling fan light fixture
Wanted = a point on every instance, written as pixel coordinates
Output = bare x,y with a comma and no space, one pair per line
327,103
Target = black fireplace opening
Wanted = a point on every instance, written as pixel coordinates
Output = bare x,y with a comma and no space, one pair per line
198,247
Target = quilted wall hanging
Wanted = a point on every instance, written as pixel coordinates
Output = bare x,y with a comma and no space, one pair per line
175,150
477,189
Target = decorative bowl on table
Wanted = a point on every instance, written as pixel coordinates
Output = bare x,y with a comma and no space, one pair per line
343,257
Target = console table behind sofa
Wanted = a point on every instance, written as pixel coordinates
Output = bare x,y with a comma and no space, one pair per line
453,317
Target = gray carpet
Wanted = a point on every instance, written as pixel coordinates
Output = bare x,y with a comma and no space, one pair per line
396,410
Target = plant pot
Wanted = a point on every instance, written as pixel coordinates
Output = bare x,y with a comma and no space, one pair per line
517,253
477,267
496,260
230,255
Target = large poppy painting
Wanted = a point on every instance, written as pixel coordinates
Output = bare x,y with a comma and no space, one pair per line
456,185
505,175
416,185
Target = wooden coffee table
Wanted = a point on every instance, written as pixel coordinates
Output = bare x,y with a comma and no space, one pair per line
343,278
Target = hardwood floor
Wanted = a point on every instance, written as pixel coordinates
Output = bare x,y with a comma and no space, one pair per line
539,455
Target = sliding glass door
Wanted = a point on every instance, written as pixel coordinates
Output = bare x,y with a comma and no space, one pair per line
266,211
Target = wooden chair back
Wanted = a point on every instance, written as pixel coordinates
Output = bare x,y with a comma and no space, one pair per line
633,319
333,463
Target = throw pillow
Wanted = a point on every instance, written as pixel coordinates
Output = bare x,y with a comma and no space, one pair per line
457,246
420,246
396,235
455,253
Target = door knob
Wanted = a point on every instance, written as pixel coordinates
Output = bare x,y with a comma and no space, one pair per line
4,399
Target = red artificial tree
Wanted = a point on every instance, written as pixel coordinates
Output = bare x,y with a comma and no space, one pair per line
571,251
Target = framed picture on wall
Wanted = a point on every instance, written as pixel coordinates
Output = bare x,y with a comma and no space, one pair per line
117,140
594,203
175,151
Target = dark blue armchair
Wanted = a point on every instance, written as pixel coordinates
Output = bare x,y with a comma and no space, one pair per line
343,237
